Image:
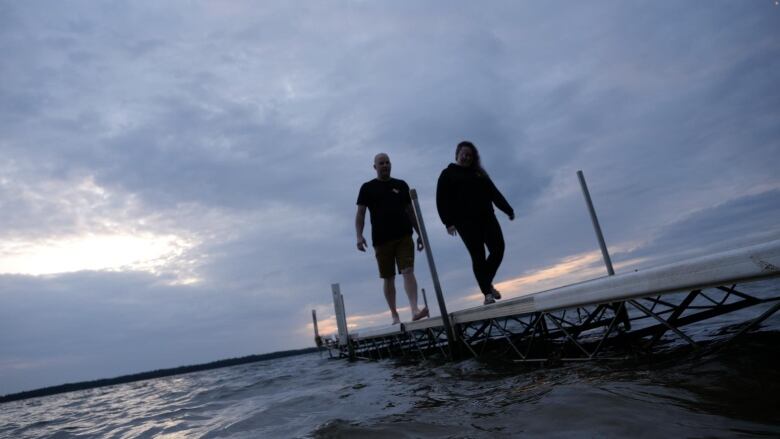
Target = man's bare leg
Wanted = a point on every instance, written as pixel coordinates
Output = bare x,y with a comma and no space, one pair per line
389,288
410,286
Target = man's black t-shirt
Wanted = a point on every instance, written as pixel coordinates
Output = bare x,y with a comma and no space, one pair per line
386,201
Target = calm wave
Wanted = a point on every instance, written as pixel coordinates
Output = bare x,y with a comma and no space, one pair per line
734,393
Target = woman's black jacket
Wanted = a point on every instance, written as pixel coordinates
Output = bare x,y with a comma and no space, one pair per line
466,196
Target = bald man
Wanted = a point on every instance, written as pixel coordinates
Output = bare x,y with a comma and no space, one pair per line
392,220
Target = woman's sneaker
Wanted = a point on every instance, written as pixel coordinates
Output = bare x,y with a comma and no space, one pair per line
496,294
489,299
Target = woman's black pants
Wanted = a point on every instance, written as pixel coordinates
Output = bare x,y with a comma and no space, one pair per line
477,235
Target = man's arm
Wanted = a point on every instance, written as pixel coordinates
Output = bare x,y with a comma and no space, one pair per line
360,223
413,220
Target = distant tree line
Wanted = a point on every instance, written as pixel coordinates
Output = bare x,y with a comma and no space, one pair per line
150,375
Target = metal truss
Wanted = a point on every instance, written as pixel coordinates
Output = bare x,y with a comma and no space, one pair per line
417,343
612,330
607,331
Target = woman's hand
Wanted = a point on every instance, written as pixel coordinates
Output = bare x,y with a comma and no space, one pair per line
511,216
452,230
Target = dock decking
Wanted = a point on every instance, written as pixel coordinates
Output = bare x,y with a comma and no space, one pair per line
584,320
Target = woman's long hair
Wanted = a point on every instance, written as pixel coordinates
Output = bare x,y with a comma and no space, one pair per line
476,163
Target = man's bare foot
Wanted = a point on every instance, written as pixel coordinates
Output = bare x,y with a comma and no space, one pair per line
423,313
396,320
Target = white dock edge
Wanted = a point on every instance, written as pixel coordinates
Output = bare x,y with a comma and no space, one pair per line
383,331
734,266
730,267
387,331
431,322
511,307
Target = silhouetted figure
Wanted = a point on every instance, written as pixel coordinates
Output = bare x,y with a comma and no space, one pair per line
465,196
392,220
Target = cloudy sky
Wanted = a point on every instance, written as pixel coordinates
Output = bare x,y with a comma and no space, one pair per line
178,179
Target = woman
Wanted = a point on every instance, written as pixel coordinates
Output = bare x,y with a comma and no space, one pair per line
464,197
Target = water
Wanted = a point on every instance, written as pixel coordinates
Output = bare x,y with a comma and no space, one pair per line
734,393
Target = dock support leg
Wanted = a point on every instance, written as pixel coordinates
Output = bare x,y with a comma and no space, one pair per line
755,322
606,334
504,333
675,315
445,317
642,308
317,339
553,319
603,245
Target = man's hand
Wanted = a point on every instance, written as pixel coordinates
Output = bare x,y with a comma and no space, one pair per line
420,244
361,243
452,230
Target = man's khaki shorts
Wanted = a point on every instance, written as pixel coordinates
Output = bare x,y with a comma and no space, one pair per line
398,252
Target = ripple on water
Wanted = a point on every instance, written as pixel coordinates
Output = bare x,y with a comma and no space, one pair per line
723,395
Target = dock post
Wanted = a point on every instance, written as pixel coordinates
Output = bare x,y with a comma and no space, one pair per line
425,299
317,339
341,320
445,317
596,225
620,311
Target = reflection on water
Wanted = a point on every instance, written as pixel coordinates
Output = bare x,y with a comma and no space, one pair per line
727,394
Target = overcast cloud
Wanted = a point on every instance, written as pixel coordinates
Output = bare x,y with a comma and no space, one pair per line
178,179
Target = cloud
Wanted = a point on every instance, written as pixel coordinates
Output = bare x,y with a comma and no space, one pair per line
732,224
245,131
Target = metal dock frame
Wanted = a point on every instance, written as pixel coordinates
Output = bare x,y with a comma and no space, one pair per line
584,321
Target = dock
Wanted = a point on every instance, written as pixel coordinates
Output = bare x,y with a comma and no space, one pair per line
611,317
588,320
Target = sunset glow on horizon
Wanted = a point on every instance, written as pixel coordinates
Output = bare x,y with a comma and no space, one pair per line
91,252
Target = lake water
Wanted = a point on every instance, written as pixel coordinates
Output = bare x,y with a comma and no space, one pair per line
734,393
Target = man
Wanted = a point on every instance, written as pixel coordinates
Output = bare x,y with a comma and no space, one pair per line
392,220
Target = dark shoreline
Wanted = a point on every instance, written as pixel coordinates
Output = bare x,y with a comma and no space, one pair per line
71,387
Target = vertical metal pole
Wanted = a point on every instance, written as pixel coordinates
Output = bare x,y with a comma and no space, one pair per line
341,320
337,308
596,225
620,310
317,339
425,299
350,346
445,317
